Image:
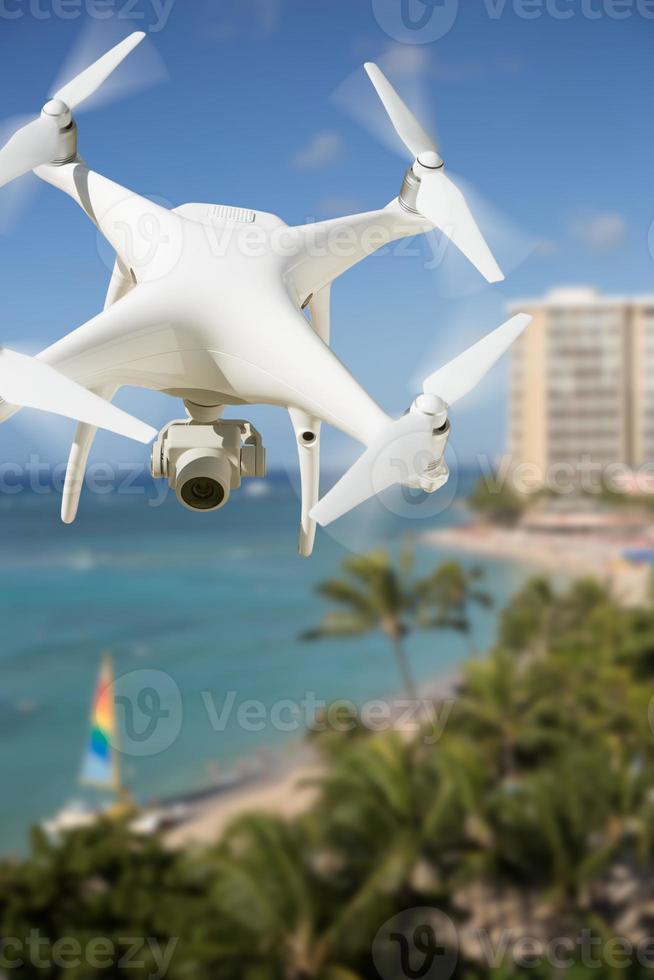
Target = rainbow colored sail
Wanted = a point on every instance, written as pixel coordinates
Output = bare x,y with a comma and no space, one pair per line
100,766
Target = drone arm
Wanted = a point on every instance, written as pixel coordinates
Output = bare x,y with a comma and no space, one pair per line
146,237
307,433
326,249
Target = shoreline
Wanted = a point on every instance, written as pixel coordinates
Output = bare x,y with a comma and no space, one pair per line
285,784
571,556
285,791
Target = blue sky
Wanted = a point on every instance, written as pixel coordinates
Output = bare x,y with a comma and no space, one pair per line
548,118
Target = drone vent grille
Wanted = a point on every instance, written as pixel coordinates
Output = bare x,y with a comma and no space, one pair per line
222,212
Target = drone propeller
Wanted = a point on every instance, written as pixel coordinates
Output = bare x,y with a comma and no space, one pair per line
29,147
404,449
462,374
438,198
27,382
36,143
84,85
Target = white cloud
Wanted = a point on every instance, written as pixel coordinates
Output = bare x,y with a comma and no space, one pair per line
598,231
322,149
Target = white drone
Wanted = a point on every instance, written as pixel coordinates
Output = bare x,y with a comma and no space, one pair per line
206,304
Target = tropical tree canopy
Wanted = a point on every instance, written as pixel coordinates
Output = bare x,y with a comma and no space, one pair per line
531,815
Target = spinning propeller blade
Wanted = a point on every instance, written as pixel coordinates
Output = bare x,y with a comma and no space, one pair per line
390,458
36,143
404,448
29,383
87,82
407,127
29,147
439,199
461,375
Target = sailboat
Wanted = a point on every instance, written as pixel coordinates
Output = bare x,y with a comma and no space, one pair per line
101,768
101,763
101,771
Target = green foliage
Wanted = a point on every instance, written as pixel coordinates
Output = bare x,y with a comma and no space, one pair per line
101,882
445,597
496,501
534,812
615,497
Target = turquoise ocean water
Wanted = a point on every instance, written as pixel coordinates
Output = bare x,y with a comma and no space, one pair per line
216,602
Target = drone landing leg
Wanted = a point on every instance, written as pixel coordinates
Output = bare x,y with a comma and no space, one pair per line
120,284
307,434
77,460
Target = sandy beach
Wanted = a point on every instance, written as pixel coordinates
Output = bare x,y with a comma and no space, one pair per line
286,795
570,556
286,790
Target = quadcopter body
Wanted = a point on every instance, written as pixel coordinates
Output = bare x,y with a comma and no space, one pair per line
224,306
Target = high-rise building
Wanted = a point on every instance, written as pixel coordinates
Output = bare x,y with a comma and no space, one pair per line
582,383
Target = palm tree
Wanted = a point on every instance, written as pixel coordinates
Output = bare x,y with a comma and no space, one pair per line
527,621
491,707
447,595
273,910
374,594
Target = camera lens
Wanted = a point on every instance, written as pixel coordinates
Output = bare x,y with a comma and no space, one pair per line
202,493
202,479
